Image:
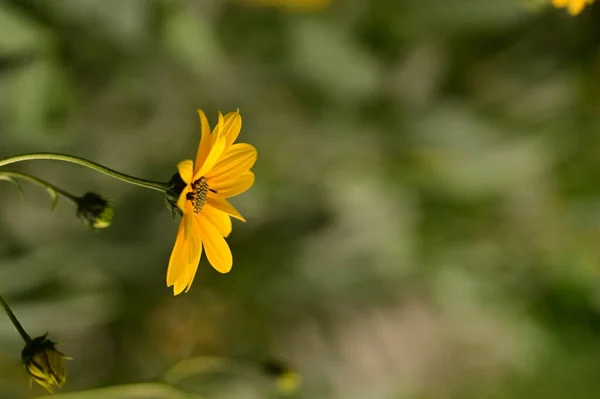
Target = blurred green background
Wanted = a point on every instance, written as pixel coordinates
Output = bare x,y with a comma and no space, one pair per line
425,221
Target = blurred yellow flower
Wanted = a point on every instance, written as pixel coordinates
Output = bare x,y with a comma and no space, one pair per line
44,363
287,380
221,170
573,6
292,5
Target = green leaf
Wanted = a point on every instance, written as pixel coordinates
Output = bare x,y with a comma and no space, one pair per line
15,182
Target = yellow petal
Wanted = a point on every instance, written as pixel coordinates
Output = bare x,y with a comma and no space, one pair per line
191,277
186,170
179,286
217,250
185,256
560,3
195,241
178,260
220,220
232,125
185,281
223,205
205,140
183,204
238,159
234,187
36,372
215,153
220,123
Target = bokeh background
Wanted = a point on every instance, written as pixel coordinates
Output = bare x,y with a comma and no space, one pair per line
424,224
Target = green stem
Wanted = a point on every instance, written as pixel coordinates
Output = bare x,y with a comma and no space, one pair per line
15,321
153,185
42,183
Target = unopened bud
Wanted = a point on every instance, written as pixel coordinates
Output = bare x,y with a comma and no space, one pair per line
95,211
44,363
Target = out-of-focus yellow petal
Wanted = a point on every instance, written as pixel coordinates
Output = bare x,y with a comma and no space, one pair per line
220,220
186,170
234,187
574,7
217,250
237,160
223,205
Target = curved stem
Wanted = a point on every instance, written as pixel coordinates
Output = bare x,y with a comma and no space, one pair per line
15,321
42,183
153,185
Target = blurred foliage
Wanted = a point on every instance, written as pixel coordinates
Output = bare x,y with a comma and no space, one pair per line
425,221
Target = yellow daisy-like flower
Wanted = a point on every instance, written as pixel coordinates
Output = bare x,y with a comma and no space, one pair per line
573,6
221,170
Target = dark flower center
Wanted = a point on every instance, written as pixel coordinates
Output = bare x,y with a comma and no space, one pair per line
198,194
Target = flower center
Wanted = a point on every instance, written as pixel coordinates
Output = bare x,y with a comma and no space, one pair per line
198,194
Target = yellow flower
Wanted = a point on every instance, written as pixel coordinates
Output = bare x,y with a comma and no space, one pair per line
573,6
287,380
221,170
44,363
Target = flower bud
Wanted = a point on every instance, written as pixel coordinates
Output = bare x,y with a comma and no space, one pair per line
95,211
286,379
44,363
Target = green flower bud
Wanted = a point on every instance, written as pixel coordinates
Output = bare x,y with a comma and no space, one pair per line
95,211
287,380
44,363
174,189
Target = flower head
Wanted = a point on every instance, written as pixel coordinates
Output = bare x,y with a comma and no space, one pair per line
574,7
44,363
221,170
94,210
